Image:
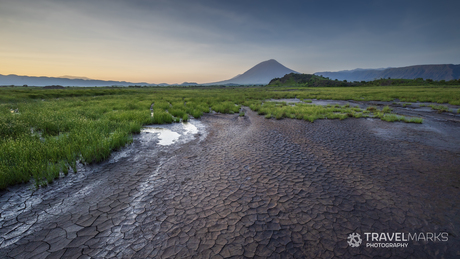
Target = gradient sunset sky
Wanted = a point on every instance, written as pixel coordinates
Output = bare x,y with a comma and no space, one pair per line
168,41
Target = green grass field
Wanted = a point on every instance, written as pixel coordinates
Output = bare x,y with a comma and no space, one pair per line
44,133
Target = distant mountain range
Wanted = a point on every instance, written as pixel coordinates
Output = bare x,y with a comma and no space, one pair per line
436,72
260,74
45,81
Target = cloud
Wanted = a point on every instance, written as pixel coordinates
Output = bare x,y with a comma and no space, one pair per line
208,40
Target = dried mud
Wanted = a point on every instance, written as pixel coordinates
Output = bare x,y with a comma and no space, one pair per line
250,187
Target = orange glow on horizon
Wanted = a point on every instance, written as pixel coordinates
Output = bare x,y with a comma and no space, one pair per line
112,71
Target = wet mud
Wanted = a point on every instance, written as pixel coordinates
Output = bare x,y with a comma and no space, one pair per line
249,187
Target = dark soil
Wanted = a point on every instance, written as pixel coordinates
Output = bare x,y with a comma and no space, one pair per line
250,187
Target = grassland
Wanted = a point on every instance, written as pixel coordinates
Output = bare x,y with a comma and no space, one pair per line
44,133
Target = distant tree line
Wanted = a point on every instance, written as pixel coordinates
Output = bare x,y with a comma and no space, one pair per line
320,81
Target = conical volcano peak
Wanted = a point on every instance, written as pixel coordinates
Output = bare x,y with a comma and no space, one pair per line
270,61
261,73
271,64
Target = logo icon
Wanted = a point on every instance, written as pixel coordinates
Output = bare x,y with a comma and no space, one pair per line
354,240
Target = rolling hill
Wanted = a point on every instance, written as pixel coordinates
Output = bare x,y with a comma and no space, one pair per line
436,72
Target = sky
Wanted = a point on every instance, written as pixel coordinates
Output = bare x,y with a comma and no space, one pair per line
175,41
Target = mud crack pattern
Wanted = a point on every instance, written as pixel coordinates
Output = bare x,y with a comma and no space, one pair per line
253,188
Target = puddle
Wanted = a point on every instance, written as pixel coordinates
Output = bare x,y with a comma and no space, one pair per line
166,137
190,128
170,134
333,102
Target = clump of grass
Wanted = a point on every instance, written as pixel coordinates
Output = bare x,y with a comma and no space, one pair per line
242,114
358,114
386,115
225,107
391,117
185,118
386,109
414,120
395,117
134,127
309,118
371,109
279,114
177,112
440,108
197,114
161,117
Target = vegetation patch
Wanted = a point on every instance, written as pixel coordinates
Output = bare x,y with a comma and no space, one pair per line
44,133
440,108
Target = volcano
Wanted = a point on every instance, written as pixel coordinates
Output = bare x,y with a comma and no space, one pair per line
260,74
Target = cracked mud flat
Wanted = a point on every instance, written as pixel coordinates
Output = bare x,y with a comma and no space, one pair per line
249,187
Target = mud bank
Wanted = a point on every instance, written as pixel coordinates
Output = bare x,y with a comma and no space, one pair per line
250,187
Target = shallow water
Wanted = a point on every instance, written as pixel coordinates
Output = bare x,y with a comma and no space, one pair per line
172,133
166,137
